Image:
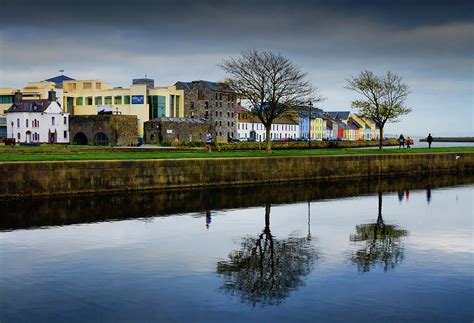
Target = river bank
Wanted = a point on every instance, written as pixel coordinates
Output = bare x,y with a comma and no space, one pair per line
76,177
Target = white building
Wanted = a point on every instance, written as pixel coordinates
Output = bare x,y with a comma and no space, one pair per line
282,128
37,121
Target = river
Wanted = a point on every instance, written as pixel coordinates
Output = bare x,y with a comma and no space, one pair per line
367,250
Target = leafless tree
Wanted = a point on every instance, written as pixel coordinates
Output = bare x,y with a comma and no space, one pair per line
270,82
384,97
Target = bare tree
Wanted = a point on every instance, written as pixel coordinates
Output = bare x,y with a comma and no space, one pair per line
270,82
384,98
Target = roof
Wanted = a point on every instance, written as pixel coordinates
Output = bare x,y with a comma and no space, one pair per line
343,115
213,86
354,123
29,106
59,79
180,120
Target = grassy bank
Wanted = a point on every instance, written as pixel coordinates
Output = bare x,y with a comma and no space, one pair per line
40,154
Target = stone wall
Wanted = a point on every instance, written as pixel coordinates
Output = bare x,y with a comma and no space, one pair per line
182,130
68,177
119,130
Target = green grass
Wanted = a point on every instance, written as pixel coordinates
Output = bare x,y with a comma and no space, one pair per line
30,154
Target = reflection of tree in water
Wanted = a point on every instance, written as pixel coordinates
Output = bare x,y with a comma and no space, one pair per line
265,270
382,244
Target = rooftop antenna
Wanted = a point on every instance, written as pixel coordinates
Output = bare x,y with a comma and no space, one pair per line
62,72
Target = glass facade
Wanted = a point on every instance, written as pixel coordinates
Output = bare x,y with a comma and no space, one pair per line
108,100
79,101
118,99
6,99
171,105
98,100
126,99
157,106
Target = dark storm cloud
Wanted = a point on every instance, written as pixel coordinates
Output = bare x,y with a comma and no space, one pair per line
201,14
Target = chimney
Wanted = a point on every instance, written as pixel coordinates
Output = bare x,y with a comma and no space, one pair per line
52,96
18,96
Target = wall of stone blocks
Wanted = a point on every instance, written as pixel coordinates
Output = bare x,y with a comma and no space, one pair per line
69,177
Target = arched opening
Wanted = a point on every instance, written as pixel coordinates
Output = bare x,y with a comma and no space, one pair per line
28,136
79,139
101,139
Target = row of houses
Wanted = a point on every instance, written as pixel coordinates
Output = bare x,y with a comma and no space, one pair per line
309,124
55,111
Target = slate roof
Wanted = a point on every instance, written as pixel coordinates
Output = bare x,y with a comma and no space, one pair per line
29,106
59,79
355,123
213,86
343,115
180,120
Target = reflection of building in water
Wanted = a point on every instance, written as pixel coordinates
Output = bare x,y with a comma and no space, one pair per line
265,270
208,218
381,243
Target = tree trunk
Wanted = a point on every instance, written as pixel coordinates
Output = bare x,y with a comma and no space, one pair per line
268,143
381,138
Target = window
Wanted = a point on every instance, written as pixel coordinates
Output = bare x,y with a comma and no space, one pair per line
216,123
192,105
206,105
72,86
97,85
108,100
89,100
18,123
27,123
228,114
118,99
65,134
53,121
6,99
126,99
216,95
217,114
220,114
65,120
87,85
98,100
79,100
18,136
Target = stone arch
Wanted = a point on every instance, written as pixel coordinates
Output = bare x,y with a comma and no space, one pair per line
80,139
101,139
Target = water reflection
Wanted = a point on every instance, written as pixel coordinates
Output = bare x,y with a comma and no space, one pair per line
266,269
381,243
57,211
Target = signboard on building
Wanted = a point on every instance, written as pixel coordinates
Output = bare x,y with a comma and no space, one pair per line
138,99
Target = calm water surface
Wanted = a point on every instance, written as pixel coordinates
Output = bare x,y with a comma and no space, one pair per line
360,252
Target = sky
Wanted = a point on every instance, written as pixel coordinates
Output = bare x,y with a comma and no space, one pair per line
430,44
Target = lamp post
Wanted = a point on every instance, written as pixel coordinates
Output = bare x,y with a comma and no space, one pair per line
310,107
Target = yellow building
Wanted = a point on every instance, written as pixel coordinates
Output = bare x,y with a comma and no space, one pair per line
317,129
88,97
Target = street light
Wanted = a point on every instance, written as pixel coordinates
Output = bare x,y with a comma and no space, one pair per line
310,107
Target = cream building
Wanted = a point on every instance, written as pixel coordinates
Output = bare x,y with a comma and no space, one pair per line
88,97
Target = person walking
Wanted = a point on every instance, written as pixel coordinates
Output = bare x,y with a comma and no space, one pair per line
208,141
429,139
401,141
409,142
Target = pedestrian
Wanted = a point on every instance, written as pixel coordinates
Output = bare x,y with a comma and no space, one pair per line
409,142
208,141
429,139
401,141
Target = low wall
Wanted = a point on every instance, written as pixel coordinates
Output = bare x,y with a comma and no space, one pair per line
69,177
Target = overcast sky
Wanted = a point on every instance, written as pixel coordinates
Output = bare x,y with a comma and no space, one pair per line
429,44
